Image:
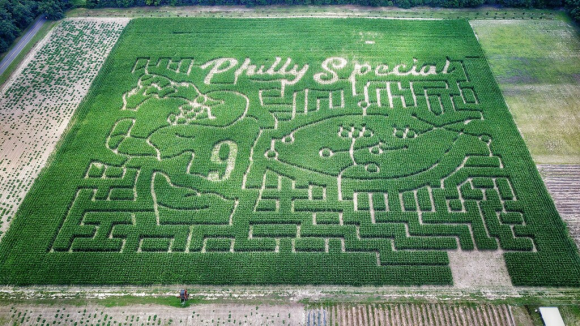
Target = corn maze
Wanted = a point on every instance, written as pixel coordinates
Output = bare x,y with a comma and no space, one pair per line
289,151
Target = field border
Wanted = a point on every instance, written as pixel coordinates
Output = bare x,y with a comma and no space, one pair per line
330,11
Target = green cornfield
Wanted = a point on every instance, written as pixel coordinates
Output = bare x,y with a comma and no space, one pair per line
288,151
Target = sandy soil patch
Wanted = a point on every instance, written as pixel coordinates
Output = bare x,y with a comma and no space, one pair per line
193,315
478,269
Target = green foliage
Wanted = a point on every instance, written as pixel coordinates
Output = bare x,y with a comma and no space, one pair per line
573,7
371,3
52,9
17,15
344,158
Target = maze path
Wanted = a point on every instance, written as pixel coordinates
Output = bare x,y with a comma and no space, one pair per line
563,183
41,97
469,200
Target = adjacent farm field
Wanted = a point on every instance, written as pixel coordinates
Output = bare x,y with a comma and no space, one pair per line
537,66
37,104
290,314
334,151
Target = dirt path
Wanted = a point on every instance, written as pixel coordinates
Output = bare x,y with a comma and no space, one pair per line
195,315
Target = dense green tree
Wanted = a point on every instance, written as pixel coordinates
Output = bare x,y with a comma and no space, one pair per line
573,7
51,9
403,4
8,31
23,14
17,15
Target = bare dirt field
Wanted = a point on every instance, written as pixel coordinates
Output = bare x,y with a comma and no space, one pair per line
209,314
239,314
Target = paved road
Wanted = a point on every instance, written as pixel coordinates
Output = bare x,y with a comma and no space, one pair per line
21,44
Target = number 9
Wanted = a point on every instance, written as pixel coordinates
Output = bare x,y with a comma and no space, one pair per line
220,157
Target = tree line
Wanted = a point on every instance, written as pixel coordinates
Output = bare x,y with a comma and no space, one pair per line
16,15
573,7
